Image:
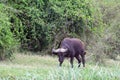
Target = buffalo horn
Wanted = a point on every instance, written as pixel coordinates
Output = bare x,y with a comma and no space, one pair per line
59,50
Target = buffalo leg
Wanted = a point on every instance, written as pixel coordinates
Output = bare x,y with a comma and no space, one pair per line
60,63
83,60
71,61
79,60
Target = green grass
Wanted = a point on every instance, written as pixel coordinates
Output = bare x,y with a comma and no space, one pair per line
33,67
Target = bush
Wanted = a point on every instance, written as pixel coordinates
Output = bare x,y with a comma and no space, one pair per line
45,22
105,39
111,37
7,41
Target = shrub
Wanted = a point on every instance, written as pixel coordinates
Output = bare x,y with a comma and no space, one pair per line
45,21
105,39
7,41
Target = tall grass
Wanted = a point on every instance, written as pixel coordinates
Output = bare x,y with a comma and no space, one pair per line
89,73
46,68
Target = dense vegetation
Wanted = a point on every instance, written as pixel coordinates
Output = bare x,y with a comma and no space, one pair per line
39,25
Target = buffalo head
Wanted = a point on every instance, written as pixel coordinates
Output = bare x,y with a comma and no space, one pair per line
61,52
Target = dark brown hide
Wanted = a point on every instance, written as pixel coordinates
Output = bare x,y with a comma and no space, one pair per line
73,48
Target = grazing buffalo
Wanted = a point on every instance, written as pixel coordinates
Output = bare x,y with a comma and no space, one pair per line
71,47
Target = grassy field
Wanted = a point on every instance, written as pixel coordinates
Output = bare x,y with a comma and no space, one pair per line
33,67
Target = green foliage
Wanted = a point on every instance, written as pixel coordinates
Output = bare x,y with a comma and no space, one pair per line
106,40
76,15
7,41
35,33
113,39
36,23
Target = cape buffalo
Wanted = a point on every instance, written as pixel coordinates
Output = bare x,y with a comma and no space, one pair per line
71,47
